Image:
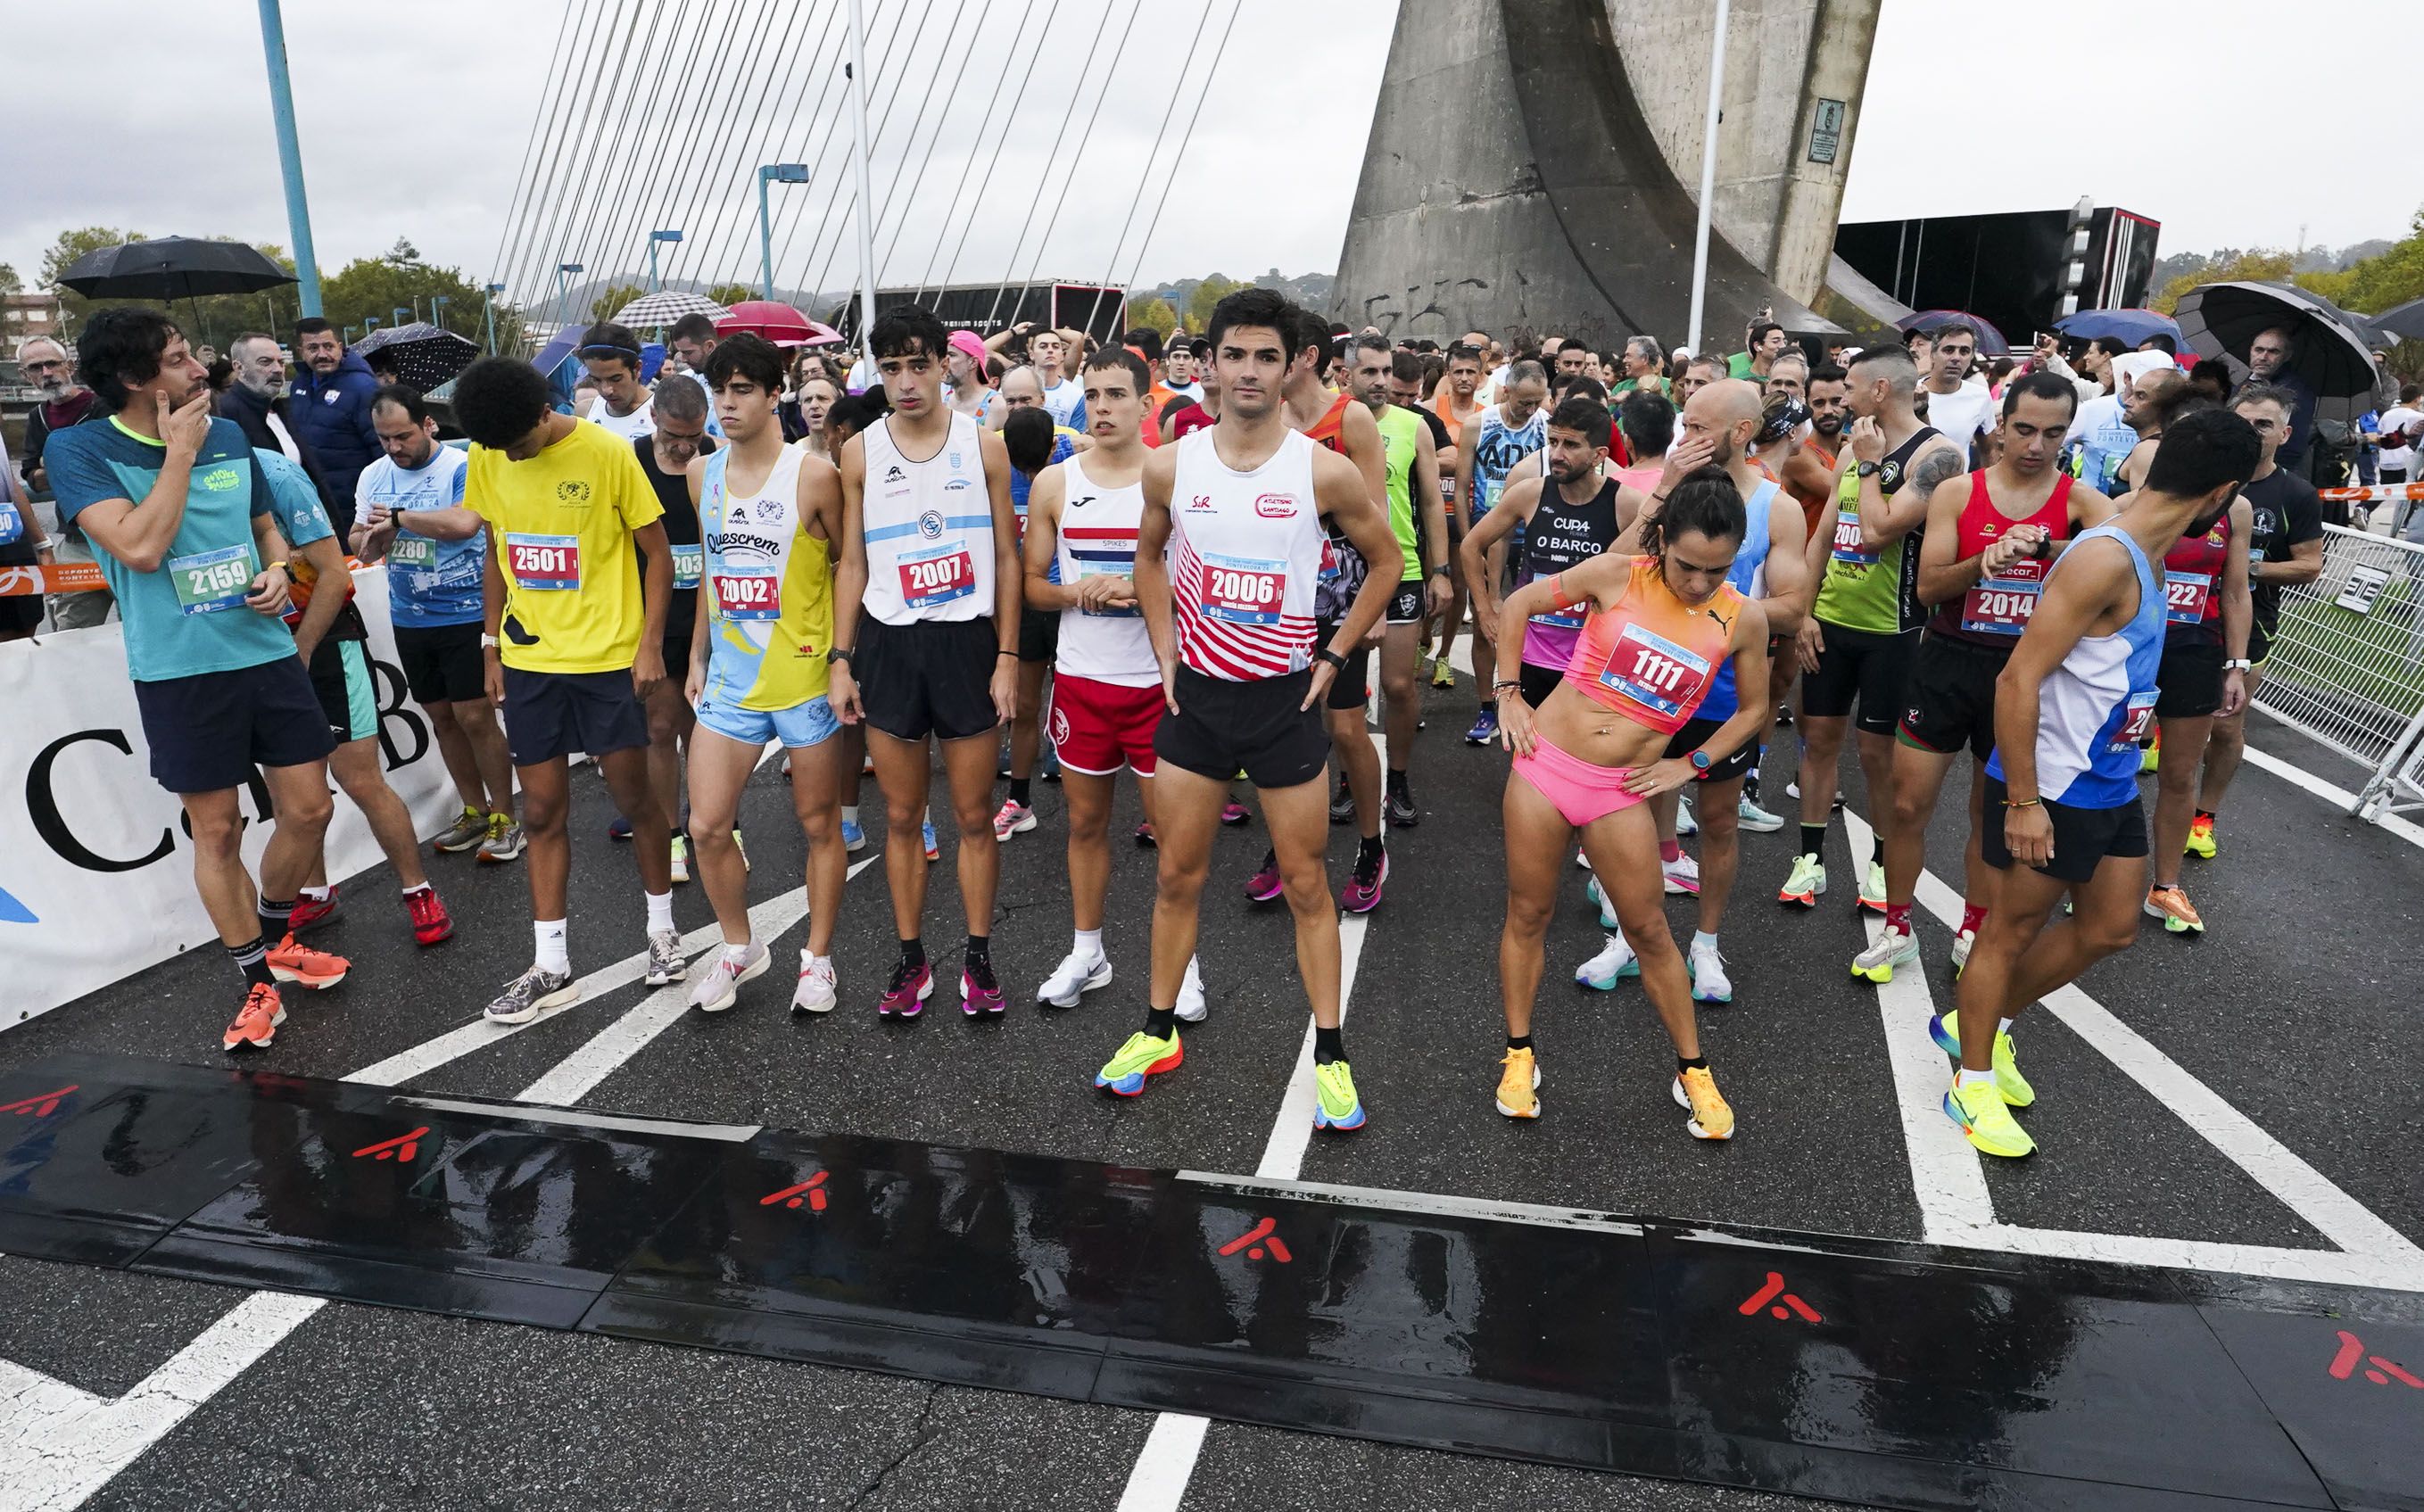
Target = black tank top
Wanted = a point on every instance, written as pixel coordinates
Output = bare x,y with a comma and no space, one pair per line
1561,535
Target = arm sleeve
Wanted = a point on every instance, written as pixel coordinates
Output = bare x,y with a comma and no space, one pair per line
78,477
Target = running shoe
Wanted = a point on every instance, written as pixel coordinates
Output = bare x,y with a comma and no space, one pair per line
664,959
720,988
469,828
908,991
1014,818
256,1022
1582,858
681,858
980,989
1873,888
1361,893
1682,876
1518,1085
1893,948
1945,1029
311,912
1614,963
1712,1119
1048,765
1191,1002
1806,883
2150,758
1978,1106
1235,813
619,829
505,841
787,766
1078,975
741,851
1709,983
2200,843
853,840
1485,726
1264,885
1398,808
1685,821
1963,943
430,923
1755,818
1342,808
531,992
1335,1103
1144,835
1443,676
305,967
2172,905
817,991
926,833
1142,1056
1598,894
1793,789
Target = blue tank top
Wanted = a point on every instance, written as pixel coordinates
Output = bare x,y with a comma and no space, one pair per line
2094,709
1749,576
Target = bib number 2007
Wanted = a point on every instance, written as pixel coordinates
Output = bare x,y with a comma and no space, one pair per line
937,578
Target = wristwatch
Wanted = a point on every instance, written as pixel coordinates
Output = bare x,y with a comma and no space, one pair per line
838,653
1326,654
2240,664
1870,469
1700,762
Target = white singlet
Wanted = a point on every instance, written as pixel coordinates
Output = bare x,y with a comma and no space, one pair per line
639,422
1098,535
1245,557
929,528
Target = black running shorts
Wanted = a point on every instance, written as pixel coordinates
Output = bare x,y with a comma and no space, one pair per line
442,662
1856,666
2083,839
1694,734
2188,682
1224,727
1951,696
928,676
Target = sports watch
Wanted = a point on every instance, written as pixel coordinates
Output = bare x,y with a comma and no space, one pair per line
1700,762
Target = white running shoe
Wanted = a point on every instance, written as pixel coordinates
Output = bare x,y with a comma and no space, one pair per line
1078,975
1614,963
1682,876
721,987
1685,822
664,959
817,990
1582,859
1756,820
1709,983
1192,1005
1961,945
1597,894
1895,947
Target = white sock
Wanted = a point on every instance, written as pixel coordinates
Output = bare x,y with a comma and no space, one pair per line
553,952
320,894
1970,1078
1089,943
850,813
2002,1025
421,888
660,912
809,958
1703,939
737,954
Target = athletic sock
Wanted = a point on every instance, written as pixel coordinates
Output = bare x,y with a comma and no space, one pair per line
1398,782
660,912
1326,1046
1971,917
737,954
1089,943
274,917
1813,842
1694,1064
850,814
977,963
981,948
1669,850
1519,1041
2002,1025
318,895
252,958
1702,939
1876,850
2206,814
1021,789
1966,1077
913,952
1367,848
421,887
1898,917
1161,1023
554,950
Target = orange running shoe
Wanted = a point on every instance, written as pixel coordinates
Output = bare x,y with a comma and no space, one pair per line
256,1023
2172,905
305,967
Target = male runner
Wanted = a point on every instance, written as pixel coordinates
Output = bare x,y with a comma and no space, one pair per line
925,638
408,513
769,514
1698,375
1457,401
1768,342
1489,448
2071,705
1418,515
1048,351
1082,519
1856,643
2285,546
1991,537
680,434
574,637
610,355
1032,443
1229,555
181,515
1958,404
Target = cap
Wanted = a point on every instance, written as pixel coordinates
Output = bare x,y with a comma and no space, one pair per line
973,345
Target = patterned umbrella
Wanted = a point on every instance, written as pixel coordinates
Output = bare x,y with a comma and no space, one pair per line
421,354
665,306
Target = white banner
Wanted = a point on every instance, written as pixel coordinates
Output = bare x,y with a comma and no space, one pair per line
96,869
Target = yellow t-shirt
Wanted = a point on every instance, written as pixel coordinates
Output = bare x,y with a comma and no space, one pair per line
561,525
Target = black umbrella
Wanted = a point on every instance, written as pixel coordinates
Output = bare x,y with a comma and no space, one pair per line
173,267
2225,319
1990,341
420,354
2401,323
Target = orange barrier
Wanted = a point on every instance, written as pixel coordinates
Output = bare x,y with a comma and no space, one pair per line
2374,492
67,577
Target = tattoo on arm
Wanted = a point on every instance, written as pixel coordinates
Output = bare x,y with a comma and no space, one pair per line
1940,465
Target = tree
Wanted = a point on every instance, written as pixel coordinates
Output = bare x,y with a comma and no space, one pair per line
614,297
1205,296
9,283
729,295
375,287
2374,284
2227,267
1153,314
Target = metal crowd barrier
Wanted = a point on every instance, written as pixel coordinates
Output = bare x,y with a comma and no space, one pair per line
2346,668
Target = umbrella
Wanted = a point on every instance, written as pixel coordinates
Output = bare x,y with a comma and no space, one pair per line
2225,319
668,306
779,322
1990,341
172,267
2132,326
2401,323
420,354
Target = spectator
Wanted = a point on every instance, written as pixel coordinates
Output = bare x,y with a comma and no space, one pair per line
2267,361
257,401
693,341
23,543
332,407
1767,343
65,403
1642,368
2403,426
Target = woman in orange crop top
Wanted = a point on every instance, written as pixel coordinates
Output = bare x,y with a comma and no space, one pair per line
1658,627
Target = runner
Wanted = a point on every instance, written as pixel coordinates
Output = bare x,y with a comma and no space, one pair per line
1857,642
1418,515
2284,544
964,389
1032,443
182,516
2070,707
1229,553
1457,401
1502,436
681,435
1958,406
1655,629
574,633
1080,556
769,514
1697,373
1047,351
1991,537
930,554
609,356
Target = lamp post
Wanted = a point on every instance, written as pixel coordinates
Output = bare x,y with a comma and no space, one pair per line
654,237
562,293
1707,179
488,312
370,323
437,303
402,314
290,156
859,150
772,173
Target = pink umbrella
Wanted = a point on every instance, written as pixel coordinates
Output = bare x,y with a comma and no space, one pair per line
779,322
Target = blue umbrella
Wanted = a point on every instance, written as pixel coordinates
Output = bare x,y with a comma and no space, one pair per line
2133,326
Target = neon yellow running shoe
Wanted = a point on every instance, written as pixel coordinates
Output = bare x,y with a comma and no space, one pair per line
1143,1056
1335,1104
1978,1107
1945,1029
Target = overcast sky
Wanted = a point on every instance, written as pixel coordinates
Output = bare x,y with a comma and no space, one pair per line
414,122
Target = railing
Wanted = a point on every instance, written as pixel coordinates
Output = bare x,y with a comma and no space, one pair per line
2347,667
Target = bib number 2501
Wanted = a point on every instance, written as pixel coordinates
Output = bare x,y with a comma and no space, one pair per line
549,563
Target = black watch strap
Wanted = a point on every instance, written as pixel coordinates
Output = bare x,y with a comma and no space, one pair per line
838,653
1326,654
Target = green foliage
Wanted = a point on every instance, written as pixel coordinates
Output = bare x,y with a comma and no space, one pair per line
729,295
377,287
9,283
614,299
1153,314
2229,267
1200,300
2375,284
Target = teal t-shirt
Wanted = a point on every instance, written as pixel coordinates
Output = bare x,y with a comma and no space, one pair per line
189,617
293,499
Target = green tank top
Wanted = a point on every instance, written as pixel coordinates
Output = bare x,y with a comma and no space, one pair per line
1400,433
1875,593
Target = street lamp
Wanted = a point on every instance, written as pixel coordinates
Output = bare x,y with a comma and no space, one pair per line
370,323
403,315
488,312
654,237
773,173
562,293
437,310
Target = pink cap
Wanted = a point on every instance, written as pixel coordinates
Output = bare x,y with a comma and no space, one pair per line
972,344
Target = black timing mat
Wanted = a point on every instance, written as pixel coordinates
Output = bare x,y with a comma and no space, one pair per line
1868,1371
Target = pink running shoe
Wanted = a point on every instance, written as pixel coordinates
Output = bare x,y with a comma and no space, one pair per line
1266,884
907,995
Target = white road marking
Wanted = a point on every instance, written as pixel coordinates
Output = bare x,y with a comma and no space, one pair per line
2331,793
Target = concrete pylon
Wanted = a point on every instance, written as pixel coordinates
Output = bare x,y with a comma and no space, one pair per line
1522,167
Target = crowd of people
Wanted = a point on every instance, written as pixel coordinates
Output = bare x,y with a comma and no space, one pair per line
1181,557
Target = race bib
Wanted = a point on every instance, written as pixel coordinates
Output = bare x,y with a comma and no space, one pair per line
1571,619
2001,606
1848,541
1654,672
416,552
1088,569
1242,590
2185,596
207,582
690,564
748,591
552,562
936,575
1490,490
2137,720
13,524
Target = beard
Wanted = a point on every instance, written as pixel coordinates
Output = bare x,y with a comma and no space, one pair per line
1724,456
1830,426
